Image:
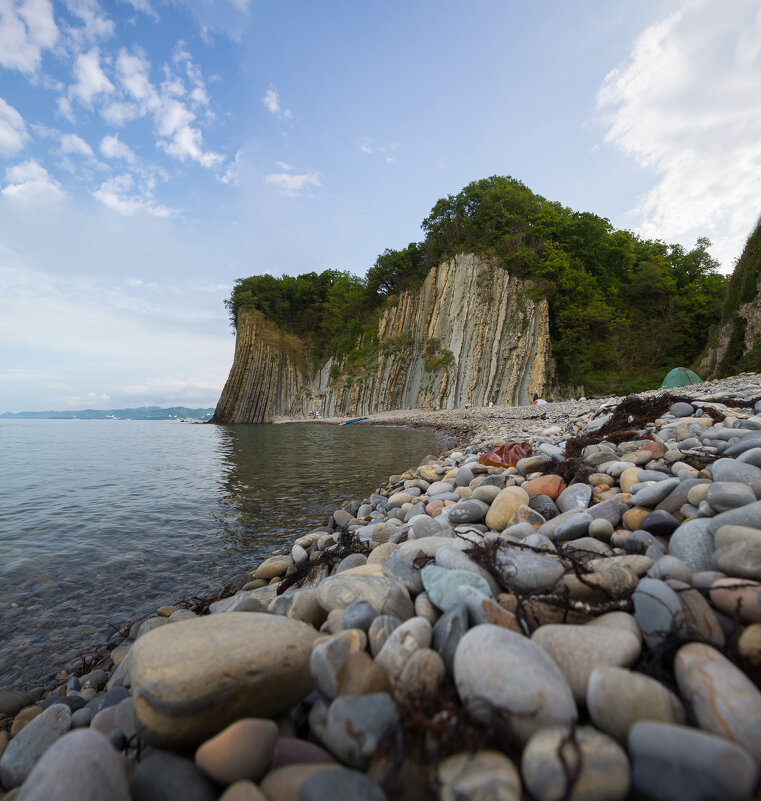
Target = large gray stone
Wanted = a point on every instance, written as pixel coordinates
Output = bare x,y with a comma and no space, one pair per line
455,559
191,679
652,494
482,776
726,495
748,515
380,630
427,546
734,470
596,765
80,766
674,763
607,510
447,633
385,595
743,559
329,656
339,783
743,444
357,724
576,496
470,510
12,700
441,585
723,699
618,698
658,611
163,776
508,681
403,572
678,497
752,456
578,650
526,570
402,643
31,743
573,527
693,543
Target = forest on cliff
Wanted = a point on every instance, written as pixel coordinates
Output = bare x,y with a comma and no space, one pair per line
743,287
623,310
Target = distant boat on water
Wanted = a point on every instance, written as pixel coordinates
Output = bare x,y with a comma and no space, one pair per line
353,420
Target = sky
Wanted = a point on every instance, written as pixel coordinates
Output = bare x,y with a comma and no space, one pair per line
153,151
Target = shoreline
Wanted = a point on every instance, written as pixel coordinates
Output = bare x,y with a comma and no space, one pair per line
455,534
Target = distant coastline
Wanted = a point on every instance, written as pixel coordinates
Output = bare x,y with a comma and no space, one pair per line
141,413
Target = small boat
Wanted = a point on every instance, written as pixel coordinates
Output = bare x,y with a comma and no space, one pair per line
352,420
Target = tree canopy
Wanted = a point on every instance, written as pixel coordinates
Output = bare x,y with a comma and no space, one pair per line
623,310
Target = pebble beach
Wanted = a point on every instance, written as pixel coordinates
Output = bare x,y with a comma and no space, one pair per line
582,624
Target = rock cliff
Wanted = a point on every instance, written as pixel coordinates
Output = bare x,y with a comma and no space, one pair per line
735,345
470,334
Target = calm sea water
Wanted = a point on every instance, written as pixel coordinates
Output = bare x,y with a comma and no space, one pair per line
101,522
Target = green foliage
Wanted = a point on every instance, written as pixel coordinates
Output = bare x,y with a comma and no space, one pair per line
743,287
623,310
435,357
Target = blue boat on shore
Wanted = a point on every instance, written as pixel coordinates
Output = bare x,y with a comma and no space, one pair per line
353,420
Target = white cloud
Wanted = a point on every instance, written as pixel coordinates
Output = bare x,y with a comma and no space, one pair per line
117,113
71,143
142,6
172,117
271,101
30,184
89,399
232,172
284,165
122,195
65,109
687,106
187,142
121,345
111,147
91,81
367,146
13,133
292,184
96,24
133,71
26,29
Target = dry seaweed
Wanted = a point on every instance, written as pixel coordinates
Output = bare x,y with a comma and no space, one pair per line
575,445
573,470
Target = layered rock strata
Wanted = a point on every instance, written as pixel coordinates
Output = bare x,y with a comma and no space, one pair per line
471,334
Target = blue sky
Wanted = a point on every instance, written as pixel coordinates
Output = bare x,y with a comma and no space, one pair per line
153,151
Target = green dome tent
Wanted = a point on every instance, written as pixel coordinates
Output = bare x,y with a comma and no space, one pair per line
680,377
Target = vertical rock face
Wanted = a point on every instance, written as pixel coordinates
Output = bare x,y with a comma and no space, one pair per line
470,334
747,317
735,343
269,376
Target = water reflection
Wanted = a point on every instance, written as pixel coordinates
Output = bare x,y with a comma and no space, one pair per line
282,480
102,522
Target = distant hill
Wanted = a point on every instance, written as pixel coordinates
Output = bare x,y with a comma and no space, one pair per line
143,413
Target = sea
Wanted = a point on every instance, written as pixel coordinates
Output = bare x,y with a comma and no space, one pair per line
103,521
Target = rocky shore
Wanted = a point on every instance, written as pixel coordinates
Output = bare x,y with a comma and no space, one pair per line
584,624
